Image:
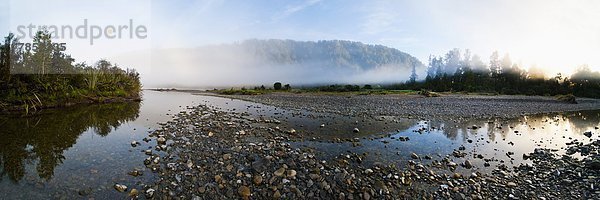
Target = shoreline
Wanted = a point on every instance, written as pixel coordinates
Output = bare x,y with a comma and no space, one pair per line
19,109
448,107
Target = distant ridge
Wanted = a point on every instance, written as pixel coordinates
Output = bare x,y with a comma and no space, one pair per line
263,62
331,53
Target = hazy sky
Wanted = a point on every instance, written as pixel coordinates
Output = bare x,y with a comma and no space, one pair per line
554,35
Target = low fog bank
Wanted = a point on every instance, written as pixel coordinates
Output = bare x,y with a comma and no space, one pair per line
238,65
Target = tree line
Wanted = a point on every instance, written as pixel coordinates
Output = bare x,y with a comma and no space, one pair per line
45,76
459,71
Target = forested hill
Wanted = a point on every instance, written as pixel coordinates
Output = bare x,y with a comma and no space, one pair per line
258,62
332,53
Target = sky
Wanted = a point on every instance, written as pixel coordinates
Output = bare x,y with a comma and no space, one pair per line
557,36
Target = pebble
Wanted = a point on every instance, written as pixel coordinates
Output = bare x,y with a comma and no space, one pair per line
257,179
149,193
279,172
414,156
244,192
291,173
120,187
133,193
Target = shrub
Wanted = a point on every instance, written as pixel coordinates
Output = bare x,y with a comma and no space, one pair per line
568,98
428,93
277,86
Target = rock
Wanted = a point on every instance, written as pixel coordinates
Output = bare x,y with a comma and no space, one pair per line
201,189
314,176
355,130
468,164
279,172
134,143
218,178
366,195
322,125
85,192
244,192
120,187
456,176
149,193
451,164
190,164
292,131
594,164
277,195
226,156
135,173
161,140
588,134
414,156
474,127
291,173
511,184
368,171
257,179
210,134
526,156
133,193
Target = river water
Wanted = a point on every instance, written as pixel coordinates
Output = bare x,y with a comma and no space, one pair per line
82,151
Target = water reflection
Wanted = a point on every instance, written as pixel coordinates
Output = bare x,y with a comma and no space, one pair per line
492,139
42,139
567,122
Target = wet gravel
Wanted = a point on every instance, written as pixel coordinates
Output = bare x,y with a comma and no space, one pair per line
451,107
207,153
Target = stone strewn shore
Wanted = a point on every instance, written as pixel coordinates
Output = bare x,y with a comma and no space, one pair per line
209,154
453,107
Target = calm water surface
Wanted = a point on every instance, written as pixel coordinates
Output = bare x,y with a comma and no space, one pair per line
81,152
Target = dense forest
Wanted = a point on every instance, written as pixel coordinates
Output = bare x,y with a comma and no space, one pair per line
461,71
39,75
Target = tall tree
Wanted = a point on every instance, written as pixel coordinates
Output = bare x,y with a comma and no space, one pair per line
505,64
413,75
478,65
431,67
5,58
495,64
452,61
42,52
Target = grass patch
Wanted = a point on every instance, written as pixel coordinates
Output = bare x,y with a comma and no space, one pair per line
567,98
240,92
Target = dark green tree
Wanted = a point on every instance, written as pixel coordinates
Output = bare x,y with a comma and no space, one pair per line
277,86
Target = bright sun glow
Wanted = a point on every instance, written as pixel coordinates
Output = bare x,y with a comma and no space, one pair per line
559,37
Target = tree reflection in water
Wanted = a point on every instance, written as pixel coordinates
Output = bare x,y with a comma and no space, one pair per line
577,122
42,139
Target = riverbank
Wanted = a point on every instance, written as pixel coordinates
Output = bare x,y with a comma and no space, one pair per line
207,153
452,107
